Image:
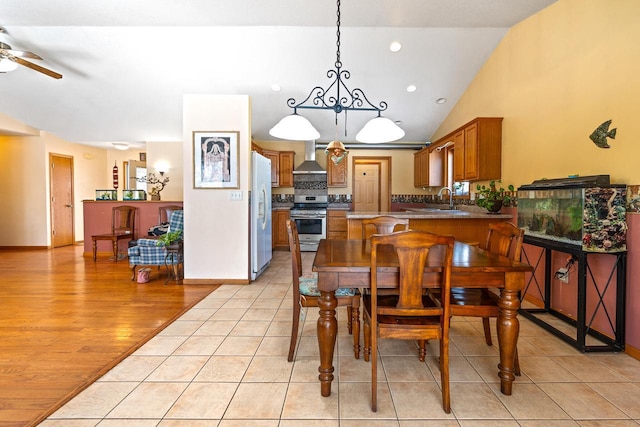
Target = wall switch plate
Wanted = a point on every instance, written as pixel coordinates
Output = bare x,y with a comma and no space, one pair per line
236,195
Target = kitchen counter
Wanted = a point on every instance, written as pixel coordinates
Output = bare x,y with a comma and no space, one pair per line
426,213
465,225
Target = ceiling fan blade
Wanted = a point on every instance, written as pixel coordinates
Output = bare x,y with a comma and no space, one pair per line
35,67
22,54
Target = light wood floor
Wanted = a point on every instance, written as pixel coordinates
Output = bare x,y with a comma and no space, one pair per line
65,320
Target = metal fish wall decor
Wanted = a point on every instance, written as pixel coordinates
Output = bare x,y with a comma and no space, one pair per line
600,135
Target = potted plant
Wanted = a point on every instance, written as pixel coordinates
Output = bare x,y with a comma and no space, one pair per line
169,238
492,198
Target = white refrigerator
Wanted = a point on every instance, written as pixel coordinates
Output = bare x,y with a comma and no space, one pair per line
260,214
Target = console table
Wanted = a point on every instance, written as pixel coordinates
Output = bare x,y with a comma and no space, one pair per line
604,300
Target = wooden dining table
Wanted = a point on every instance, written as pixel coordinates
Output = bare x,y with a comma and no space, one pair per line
347,264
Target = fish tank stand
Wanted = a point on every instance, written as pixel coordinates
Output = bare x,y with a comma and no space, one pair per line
601,297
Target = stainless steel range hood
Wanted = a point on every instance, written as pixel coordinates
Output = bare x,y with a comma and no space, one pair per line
309,165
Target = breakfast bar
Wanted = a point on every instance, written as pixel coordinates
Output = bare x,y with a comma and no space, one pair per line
469,226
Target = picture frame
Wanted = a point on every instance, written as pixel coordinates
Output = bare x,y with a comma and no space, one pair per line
143,157
215,159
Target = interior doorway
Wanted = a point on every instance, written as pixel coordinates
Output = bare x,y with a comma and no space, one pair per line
371,184
61,205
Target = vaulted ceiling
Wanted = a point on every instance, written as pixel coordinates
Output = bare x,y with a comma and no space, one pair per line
127,63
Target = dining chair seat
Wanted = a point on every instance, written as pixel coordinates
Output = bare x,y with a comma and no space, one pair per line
309,287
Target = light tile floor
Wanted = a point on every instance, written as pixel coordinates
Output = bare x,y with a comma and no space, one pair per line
223,363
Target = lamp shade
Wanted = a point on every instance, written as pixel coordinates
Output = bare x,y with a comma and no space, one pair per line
379,130
7,65
296,128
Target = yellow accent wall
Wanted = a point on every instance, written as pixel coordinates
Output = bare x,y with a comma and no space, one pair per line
555,77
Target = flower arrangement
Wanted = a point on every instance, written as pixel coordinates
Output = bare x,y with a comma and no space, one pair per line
158,183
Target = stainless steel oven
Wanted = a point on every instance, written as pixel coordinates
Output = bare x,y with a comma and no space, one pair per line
310,216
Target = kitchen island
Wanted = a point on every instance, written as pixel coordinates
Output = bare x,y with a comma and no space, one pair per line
465,225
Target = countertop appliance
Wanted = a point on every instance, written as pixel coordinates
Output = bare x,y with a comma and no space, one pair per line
260,214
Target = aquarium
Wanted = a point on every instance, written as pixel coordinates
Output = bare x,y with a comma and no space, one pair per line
587,212
134,195
106,194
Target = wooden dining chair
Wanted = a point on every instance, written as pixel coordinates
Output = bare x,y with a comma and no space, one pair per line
306,294
411,314
505,239
383,225
123,227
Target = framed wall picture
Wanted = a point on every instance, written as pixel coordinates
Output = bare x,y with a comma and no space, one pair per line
143,157
215,159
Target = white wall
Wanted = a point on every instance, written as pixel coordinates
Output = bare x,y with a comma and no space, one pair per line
216,228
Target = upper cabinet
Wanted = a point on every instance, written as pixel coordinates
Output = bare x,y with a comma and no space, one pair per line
428,168
337,172
285,174
477,154
281,165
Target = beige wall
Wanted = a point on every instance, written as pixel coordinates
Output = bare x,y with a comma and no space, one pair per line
169,153
216,228
554,78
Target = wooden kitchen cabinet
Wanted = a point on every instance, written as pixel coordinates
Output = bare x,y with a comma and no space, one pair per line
421,168
477,152
279,236
336,224
281,167
428,168
285,174
337,174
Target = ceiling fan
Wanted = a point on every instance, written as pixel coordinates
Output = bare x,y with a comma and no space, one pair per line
9,58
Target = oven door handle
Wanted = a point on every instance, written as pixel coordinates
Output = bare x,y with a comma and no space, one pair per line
306,217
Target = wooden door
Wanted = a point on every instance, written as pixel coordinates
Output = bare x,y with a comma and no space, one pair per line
367,187
61,187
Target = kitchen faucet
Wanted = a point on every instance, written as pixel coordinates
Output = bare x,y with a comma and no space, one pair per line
450,196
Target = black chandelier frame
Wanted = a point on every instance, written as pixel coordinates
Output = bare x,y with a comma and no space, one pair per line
319,98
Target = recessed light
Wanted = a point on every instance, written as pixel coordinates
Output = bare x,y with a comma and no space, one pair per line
411,88
441,100
275,87
395,47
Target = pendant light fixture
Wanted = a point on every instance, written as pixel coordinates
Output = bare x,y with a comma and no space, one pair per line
341,99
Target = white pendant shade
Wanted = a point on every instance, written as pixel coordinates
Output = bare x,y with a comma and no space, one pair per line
296,128
7,65
379,130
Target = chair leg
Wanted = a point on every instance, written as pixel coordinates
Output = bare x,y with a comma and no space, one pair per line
355,321
444,375
133,270
294,330
366,350
350,319
423,350
374,372
487,330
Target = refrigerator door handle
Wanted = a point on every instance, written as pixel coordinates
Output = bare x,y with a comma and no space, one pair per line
264,195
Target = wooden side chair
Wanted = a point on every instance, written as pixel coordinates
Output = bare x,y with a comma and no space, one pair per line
306,294
164,213
384,225
411,314
505,239
123,227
